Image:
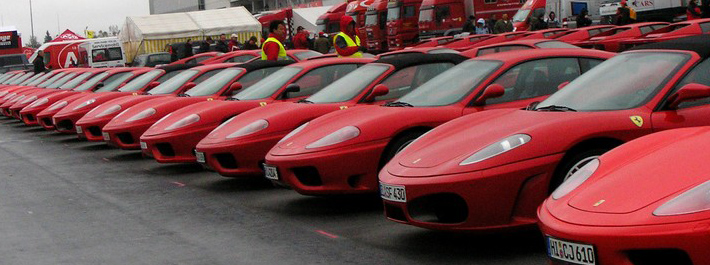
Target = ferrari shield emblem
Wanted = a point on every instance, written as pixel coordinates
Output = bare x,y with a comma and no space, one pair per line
210,99
637,120
599,203
135,94
262,104
343,107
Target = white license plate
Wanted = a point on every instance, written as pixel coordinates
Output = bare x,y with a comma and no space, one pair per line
393,192
107,137
571,252
79,130
271,172
144,145
200,157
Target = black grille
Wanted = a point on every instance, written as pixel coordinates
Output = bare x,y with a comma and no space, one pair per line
125,138
94,131
30,117
226,160
447,208
659,257
47,121
308,176
66,125
395,213
165,149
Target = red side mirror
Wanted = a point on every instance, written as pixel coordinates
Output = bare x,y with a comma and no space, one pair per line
153,85
378,90
236,86
188,86
492,91
689,92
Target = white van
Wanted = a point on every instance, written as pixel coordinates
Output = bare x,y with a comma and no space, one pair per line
101,53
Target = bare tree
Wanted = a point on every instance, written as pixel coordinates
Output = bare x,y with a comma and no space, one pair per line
47,38
33,43
113,30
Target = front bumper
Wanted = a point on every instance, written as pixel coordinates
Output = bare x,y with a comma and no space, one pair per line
500,197
175,147
93,129
66,123
127,137
242,158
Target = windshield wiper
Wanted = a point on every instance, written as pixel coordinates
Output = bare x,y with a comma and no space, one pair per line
555,108
304,101
183,95
232,99
397,104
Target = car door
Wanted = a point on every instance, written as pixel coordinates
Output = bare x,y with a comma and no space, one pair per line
691,113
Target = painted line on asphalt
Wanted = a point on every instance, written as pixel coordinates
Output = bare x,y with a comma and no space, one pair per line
326,234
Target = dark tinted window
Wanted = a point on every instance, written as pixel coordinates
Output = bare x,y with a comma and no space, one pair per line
407,79
535,78
409,11
317,79
646,29
705,27
240,58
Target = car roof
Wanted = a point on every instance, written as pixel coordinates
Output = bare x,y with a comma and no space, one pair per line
209,67
699,44
409,59
259,64
330,61
523,55
175,67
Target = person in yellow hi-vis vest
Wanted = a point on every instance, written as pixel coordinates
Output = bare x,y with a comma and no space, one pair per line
346,42
273,49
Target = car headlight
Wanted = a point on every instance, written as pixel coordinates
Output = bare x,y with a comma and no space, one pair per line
692,201
250,129
339,136
109,110
28,100
294,132
39,102
576,179
190,119
142,115
58,105
502,146
85,103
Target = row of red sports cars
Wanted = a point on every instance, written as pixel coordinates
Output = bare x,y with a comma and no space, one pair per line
471,140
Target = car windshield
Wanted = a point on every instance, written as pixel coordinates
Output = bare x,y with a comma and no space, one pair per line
34,77
76,81
521,15
553,44
140,82
392,13
91,82
623,82
350,85
62,80
452,85
426,14
11,78
371,19
213,84
112,82
22,78
173,84
51,80
267,86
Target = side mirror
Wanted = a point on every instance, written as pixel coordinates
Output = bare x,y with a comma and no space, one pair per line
492,91
564,84
99,86
188,86
153,85
378,90
291,88
689,92
236,86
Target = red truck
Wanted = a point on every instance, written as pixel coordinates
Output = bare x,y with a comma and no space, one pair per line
402,23
375,26
356,9
446,17
329,22
286,15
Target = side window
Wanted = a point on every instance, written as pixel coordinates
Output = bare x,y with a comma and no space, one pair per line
442,12
513,48
646,29
191,61
240,59
701,75
409,78
167,76
201,58
705,27
409,11
252,77
485,51
587,63
205,76
317,79
535,78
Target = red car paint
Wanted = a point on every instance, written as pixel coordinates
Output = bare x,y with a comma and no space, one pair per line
610,40
674,31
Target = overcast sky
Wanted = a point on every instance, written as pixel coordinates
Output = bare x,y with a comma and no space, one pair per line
58,15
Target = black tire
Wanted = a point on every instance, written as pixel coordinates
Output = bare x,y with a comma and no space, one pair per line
576,160
397,145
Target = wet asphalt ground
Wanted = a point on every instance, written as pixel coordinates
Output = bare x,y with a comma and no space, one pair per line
66,201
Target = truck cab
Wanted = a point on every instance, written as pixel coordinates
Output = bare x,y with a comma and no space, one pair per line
375,26
102,53
446,17
566,11
329,22
402,23
356,10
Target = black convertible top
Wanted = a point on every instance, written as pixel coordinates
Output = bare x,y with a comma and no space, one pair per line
699,44
410,59
259,64
175,67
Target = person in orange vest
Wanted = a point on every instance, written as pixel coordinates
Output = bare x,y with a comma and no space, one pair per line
346,42
273,48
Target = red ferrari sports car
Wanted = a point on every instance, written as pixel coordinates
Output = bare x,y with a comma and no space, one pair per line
93,122
29,113
674,31
258,130
433,42
125,130
233,57
426,50
197,58
33,81
645,202
580,35
474,41
173,140
517,45
552,33
16,90
342,152
492,169
610,40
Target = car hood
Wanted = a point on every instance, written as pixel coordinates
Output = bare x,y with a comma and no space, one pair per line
99,98
374,122
282,118
162,105
125,102
69,97
212,113
551,133
636,178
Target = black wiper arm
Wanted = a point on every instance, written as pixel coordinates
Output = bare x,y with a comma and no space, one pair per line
183,95
304,101
397,104
555,108
232,99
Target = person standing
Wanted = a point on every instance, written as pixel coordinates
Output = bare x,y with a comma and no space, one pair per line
273,48
693,12
468,25
300,40
583,19
221,45
481,27
503,25
705,8
38,63
322,44
552,21
205,45
346,42
187,49
251,44
233,43
623,14
538,22
491,22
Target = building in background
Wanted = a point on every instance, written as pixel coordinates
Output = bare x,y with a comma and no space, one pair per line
254,6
